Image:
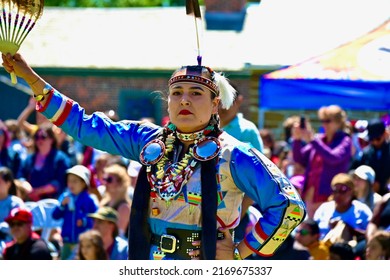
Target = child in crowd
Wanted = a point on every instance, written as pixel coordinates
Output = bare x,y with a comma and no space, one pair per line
341,251
378,247
75,205
91,246
308,235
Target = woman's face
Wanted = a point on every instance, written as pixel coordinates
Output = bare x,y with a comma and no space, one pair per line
190,106
88,250
342,195
374,250
359,185
42,139
113,184
330,125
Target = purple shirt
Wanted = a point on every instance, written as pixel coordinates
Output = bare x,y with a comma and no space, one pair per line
336,158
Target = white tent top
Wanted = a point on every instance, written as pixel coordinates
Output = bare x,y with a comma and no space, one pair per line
276,33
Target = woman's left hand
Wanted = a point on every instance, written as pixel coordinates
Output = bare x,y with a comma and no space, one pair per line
225,247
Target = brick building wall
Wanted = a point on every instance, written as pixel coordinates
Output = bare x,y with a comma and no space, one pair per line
102,92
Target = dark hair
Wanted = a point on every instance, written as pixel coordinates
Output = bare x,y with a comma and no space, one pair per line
46,128
383,238
7,176
343,250
7,139
95,237
314,228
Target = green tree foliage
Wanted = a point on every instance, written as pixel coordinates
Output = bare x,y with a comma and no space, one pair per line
115,3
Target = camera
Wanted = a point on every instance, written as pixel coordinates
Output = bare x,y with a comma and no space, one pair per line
302,122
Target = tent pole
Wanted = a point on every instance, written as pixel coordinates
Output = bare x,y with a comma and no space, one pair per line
260,120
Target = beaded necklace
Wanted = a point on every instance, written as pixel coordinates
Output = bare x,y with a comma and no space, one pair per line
169,177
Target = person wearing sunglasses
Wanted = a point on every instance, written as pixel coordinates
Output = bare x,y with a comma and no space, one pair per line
45,168
27,245
308,235
377,155
343,211
117,183
323,155
187,201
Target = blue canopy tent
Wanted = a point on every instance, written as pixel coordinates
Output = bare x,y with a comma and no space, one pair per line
356,76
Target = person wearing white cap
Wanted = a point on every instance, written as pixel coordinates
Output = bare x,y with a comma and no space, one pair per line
363,179
377,155
75,205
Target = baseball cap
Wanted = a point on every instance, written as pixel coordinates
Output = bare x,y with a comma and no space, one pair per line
105,213
82,172
365,172
19,214
375,129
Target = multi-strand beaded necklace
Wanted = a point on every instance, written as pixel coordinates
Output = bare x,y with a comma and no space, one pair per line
168,178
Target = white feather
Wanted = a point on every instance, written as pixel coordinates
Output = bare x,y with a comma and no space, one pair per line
227,93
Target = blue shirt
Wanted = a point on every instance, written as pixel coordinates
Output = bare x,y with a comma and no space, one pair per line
245,131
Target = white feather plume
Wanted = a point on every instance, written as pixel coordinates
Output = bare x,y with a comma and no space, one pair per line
227,93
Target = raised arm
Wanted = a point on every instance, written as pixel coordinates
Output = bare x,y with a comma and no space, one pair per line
19,66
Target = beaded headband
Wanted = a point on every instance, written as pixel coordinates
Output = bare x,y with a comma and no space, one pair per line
195,79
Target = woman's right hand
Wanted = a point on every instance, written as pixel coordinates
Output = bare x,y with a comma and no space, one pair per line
65,201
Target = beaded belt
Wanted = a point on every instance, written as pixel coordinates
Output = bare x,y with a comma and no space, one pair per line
177,243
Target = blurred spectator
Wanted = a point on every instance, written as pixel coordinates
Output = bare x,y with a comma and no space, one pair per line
8,198
235,124
378,247
323,156
359,138
342,211
288,166
117,182
105,221
27,245
65,144
276,150
8,201
298,182
133,170
308,234
8,157
90,246
76,204
17,138
287,251
23,188
377,155
363,179
288,125
381,217
45,168
341,251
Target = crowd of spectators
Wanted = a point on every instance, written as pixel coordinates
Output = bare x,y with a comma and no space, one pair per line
342,172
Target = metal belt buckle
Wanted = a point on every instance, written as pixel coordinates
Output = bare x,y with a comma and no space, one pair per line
168,243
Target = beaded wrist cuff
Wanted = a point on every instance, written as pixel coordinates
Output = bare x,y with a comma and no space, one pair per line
48,88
